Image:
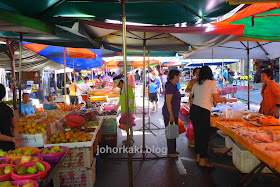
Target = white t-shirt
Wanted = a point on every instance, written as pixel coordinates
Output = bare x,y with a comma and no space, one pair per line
164,78
85,86
203,94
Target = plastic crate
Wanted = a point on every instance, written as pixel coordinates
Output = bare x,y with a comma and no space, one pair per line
244,161
109,126
109,140
82,177
78,157
229,142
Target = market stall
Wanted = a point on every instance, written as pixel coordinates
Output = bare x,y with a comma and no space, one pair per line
254,140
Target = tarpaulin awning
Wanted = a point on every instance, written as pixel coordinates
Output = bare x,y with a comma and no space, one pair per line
79,58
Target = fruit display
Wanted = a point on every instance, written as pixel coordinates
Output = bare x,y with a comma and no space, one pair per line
23,151
108,113
14,184
90,124
69,137
31,127
6,170
55,149
65,107
36,168
25,158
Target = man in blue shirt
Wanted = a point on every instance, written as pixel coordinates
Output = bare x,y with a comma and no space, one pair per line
26,107
153,91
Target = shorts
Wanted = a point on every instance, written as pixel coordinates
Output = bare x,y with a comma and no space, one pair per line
163,83
153,97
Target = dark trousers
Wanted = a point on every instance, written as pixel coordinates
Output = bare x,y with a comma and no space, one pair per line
201,123
73,100
171,143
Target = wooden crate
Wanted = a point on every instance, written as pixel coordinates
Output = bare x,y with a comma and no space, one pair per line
78,157
82,177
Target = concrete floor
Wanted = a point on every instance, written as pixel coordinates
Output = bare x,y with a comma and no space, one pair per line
170,172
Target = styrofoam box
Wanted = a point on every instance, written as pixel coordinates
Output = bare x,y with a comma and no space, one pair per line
229,142
33,137
34,142
244,161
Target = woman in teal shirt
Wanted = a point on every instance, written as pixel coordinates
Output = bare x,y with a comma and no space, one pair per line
26,107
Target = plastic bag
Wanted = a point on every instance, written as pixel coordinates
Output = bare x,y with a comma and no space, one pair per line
123,119
172,131
190,131
181,126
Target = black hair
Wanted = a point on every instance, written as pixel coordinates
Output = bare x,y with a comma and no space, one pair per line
136,71
72,80
172,73
2,91
194,71
25,94
152,80
268,72
205,74
98,76
86,78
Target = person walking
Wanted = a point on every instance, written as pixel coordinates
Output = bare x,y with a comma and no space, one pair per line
153,91
171,107
164,80
202,92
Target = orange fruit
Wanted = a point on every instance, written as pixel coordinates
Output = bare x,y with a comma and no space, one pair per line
58,140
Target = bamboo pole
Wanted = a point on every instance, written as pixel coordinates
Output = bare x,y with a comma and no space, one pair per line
65,74
20,73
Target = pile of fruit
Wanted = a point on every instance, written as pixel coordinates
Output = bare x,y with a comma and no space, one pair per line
69,137
65,107
38,167
25,159
9,184
6,170
2,153
108,113
20,152
55,149
31,127
90,124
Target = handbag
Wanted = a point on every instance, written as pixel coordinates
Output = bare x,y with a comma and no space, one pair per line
172,131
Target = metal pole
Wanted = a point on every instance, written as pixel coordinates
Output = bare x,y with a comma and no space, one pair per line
13,75
55,82
65,74
20,61
222,86
144,91
149,74
128,130
248,72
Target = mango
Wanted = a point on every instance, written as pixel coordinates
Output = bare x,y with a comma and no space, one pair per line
55,149
18,152
45,151
8,169
31,170
2,153
6,184
40,166
61,150
21,170
29,185
28,152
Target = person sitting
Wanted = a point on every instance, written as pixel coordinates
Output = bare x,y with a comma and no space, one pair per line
84,86
26,107
99,83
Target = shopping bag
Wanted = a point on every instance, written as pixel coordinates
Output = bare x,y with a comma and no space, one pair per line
190,131
181,126
123,119
172,131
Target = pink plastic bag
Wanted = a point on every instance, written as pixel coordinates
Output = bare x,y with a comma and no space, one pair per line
123,119
190,131
109,107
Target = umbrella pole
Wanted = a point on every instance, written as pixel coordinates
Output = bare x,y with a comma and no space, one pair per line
248,72
128,130
65,74
13,75
144,91
20,73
